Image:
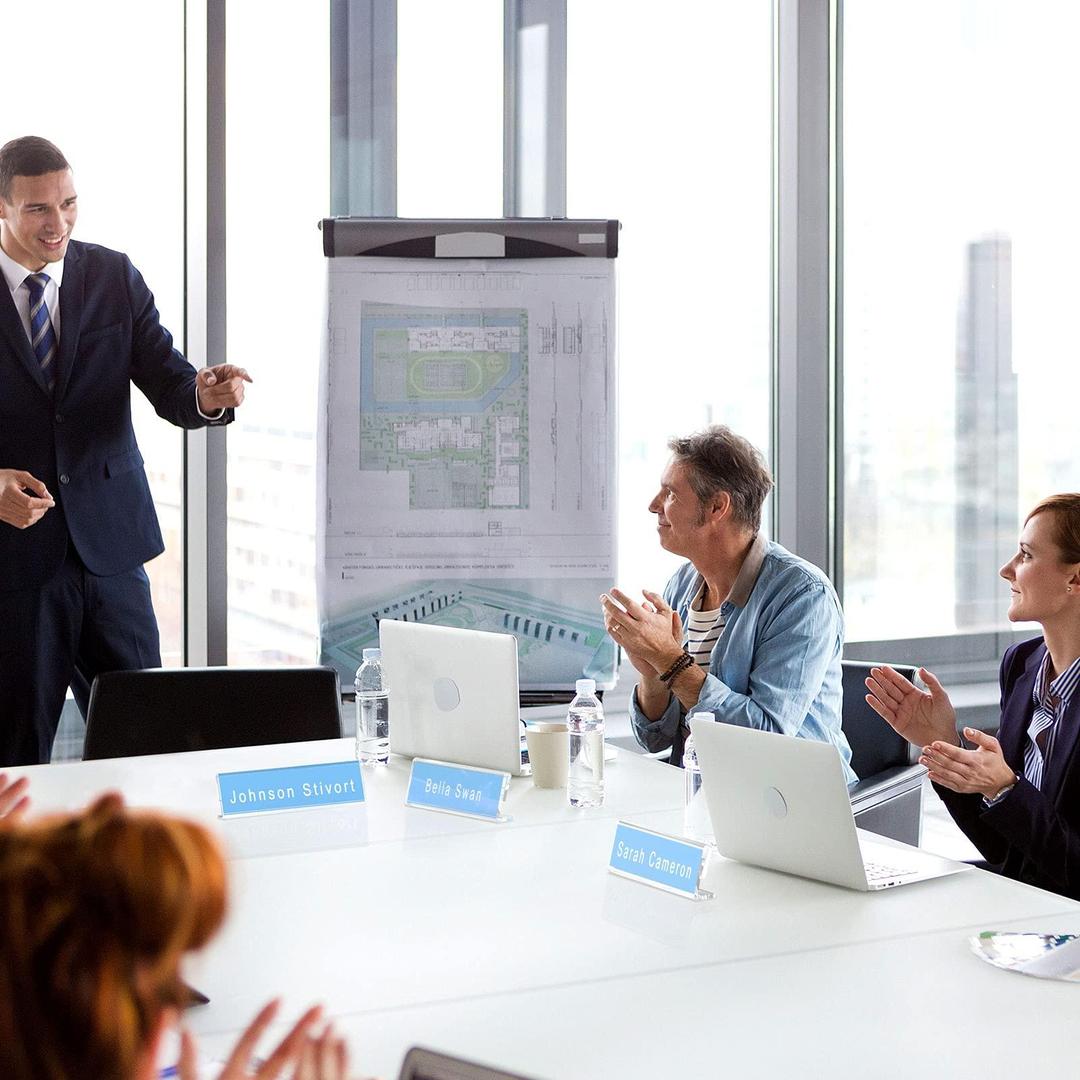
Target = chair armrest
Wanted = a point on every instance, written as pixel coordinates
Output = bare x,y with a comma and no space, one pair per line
886,784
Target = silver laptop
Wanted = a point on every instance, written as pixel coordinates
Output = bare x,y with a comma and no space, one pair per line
421,1064
782,803
453,694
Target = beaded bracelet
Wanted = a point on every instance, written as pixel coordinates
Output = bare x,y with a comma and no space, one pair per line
685,666
681,664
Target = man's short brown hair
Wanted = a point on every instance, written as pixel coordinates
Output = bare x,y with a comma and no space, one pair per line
717,459
29,155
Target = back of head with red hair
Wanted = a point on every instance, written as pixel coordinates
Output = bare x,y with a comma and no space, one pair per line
96,910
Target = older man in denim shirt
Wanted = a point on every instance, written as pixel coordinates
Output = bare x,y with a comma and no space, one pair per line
775,619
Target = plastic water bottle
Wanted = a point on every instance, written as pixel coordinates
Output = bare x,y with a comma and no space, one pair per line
697,825
372,710
585,722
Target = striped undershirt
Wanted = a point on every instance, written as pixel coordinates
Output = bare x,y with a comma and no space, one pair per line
703,629
1051,701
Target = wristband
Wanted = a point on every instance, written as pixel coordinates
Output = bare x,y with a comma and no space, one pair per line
684,661
685,667
1002,793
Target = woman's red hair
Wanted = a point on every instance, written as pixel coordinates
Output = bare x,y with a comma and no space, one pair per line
96,910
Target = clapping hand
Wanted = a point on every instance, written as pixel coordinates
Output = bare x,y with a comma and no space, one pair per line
649,633
982,770
310,1057
921,716
13,798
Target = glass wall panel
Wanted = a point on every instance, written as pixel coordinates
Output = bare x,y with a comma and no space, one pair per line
449,108
959,181
278,153
126,150
669,130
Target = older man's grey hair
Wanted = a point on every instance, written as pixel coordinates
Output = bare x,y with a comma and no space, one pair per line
717,459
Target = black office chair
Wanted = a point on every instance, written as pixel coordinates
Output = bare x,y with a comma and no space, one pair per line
165,711
888,797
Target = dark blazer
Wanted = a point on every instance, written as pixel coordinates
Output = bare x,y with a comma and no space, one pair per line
1031,835
79,441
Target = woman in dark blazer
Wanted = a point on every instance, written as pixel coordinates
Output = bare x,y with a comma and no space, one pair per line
1017,797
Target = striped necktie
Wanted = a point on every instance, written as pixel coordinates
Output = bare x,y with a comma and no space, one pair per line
1051,698
42,336
1039,732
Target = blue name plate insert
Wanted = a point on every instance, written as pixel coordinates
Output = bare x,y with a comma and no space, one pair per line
293,788
457,789
665,862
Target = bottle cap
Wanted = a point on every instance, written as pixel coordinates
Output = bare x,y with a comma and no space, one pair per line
373,654
585,686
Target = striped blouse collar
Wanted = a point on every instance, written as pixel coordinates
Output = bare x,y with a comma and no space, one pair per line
1060,690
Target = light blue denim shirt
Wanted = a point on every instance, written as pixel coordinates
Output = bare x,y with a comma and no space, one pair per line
776,666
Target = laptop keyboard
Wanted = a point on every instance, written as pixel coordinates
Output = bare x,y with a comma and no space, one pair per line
876,872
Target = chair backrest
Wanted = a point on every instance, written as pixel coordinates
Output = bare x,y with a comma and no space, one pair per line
874,745
165,711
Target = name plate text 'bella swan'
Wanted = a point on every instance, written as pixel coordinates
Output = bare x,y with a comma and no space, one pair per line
457,789
296,787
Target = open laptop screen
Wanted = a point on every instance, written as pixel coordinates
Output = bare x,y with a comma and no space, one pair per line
453,694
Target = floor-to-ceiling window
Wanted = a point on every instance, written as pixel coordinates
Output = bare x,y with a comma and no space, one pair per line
121,126
958,278
954,276
277,170
669,130
449,108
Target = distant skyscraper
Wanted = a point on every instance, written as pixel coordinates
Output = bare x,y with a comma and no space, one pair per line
987,455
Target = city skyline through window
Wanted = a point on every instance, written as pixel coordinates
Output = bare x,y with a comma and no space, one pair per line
958,278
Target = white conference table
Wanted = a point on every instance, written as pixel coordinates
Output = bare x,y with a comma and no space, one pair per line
512,944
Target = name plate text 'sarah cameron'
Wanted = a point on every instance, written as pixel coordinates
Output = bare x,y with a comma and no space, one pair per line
457,789
296,787
665,862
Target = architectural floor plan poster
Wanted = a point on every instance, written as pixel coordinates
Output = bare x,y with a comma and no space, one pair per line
467,457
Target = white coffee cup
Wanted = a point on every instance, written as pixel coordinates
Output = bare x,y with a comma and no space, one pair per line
549,754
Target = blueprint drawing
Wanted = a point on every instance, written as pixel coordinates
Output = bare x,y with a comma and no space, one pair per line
467,456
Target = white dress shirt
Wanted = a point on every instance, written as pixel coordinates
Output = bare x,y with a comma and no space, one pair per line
15,275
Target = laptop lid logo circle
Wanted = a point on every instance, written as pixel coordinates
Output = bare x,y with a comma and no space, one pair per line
775,802
447,694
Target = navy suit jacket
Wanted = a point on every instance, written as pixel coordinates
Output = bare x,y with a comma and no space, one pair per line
79,441
1032,835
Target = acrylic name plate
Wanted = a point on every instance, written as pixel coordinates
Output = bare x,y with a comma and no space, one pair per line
295,787
665,862
458,789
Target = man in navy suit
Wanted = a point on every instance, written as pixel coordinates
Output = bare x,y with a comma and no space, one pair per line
77,326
